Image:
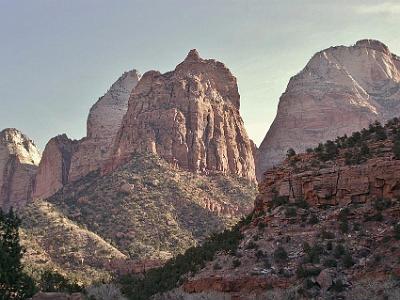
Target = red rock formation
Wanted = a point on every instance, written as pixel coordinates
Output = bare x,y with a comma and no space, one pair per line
102,125
54,168
333,183
19,158
190,117
65,160
341,90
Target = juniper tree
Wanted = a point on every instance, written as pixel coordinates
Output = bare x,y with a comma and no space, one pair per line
14,283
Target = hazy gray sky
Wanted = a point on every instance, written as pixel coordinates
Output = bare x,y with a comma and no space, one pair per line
57,57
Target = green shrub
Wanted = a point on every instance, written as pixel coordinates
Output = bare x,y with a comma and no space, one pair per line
302,272
251,245
236,263
396,149
14,283
267,263
313,219
382,203
259,254
301,203
217,266
339,250
374,218
51,281
280,254
347,260
337,286
327,235
330,263
397,231
312,253
344,226
291,212
290,153
169,276
279,200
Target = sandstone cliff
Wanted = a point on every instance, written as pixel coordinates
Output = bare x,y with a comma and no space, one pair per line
190,117
19,158
54,169
103,122
341,90
65,160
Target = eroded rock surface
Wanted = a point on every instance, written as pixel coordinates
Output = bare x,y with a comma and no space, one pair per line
341,90
19,158
104,120
190,117
65,160
54,169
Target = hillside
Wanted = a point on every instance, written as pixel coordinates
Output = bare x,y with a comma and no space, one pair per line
325,225
147,209
56,243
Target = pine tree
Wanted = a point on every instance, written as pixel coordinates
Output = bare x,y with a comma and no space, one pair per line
14,283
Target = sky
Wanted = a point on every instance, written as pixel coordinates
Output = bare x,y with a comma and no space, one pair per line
57,57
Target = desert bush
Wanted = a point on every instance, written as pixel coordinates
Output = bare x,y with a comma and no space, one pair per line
280,255
104,292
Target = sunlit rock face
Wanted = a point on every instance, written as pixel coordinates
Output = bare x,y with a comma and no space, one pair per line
104,120
190,117
65,160
19,159
341,90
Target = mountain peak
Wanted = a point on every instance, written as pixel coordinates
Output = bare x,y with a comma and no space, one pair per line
193,55
373,44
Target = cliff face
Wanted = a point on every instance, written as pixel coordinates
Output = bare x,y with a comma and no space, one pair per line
103,123
341,90
65,160
189,117
19,158
54,169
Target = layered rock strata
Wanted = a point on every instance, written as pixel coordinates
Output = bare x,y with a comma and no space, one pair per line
190,117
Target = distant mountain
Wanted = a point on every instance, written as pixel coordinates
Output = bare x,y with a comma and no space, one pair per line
19,159
341,90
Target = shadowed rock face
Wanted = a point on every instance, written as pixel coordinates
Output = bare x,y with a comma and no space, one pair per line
19,158
65,160
55,166
341,90
190,117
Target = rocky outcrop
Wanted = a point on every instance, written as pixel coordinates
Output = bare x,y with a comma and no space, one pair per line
65,160
54,169
104,120
190,117
341,90
334,184
19,158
